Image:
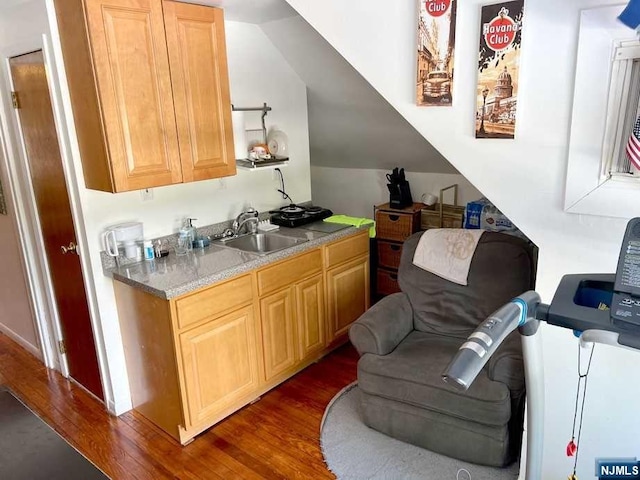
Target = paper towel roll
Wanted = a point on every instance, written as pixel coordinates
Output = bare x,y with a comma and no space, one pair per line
240,144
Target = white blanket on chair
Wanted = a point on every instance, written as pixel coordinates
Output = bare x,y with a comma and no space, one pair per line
447,252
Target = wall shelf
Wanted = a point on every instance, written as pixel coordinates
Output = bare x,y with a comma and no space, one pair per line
254,165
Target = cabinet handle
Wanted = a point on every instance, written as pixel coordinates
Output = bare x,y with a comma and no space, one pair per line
394,218
393,276
395,248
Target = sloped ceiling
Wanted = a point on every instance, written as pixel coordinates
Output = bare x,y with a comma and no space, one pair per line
350,124
248,11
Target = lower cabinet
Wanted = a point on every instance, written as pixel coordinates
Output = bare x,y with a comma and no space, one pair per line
195,359
348,295
278,333
293,325
219,363
310,315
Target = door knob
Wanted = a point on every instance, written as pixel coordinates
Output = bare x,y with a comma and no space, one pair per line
72,248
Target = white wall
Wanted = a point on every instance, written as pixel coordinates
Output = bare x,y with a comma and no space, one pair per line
355,192
348,119
16,317
525,178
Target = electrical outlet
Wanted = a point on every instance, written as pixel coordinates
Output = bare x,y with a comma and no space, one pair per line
146,194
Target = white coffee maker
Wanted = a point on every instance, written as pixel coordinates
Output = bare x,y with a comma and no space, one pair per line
128,235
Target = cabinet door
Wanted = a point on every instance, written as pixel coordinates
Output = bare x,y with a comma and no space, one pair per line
198,59
347,294
310,316
220,364
278,332
131,65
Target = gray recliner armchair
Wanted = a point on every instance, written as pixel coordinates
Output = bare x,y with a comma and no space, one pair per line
407,340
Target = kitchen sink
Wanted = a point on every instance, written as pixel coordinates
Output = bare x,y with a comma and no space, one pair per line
261,243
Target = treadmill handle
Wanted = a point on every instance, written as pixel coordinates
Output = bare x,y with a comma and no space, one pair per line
485,340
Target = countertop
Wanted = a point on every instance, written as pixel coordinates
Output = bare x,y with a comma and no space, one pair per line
174,275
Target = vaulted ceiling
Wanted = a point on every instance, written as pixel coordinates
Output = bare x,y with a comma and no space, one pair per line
350,124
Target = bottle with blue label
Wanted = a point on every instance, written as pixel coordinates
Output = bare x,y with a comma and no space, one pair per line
148,250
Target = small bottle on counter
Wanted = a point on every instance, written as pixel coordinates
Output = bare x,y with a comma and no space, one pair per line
148,250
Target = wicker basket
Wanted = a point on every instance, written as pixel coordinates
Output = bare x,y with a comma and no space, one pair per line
389,254
452,216
387,282
395,225
442,215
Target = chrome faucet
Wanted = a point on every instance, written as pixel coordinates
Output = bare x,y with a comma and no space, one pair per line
250,218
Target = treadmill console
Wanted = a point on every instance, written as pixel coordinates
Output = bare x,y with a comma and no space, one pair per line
625,304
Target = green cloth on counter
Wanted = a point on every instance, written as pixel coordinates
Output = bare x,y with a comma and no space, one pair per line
354,222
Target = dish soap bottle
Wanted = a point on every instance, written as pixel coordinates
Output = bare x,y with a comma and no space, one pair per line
188,230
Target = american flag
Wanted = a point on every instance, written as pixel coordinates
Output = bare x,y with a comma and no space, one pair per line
633,145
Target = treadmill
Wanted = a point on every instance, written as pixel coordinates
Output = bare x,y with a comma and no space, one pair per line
599,308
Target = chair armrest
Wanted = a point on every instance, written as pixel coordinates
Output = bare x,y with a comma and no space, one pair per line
506,365
380,329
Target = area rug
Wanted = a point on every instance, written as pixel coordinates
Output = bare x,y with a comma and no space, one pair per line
31,450
353,451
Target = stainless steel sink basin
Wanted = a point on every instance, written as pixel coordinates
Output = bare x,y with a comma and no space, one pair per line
261,243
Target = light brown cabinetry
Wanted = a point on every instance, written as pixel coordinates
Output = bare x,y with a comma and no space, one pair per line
310,313
220,364
278,333
293,320
198,61
348,295
149,88
347,281
197,358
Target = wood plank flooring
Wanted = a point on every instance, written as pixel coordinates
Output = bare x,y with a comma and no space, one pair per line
275,438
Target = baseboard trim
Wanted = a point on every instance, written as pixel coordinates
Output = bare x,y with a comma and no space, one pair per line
32,349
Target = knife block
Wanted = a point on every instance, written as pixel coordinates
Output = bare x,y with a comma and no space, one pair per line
400,195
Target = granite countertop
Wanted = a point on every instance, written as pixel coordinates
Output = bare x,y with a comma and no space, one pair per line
172,276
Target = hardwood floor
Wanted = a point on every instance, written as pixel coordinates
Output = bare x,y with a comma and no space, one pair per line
276,437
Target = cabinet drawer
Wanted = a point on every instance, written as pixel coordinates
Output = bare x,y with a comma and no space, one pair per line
346,249
213,301
396,226
389,254
387,282
288,272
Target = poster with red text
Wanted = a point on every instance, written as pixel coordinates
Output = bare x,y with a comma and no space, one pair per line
498,68
436,44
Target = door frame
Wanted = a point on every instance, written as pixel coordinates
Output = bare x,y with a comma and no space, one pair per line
27,219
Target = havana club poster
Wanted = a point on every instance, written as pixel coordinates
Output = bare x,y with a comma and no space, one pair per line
498,68
436,44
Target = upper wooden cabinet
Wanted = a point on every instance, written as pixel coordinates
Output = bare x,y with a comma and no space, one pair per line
149,86
198,61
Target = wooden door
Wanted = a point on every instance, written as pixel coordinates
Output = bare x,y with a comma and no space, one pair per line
198,60
278,332
52,202
220,364
127,39
310,316
347,295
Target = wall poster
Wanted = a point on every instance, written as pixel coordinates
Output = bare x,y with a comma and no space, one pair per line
436,43
498,68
